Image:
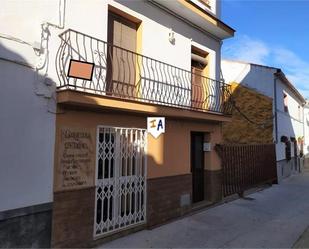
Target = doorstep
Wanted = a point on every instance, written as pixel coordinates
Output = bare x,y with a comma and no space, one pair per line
201,205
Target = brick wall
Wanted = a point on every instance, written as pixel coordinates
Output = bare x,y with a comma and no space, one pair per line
167,198
213,185
257,108
73,211
73,218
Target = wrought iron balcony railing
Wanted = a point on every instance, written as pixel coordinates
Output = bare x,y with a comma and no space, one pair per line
120,73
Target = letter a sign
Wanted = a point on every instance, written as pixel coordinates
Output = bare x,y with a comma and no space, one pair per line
156,126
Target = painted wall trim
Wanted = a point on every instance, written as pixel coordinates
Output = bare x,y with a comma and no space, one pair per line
275,109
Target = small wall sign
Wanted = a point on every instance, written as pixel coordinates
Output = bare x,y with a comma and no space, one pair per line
81,70
156,126
207,147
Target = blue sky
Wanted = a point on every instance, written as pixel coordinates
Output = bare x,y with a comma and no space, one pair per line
273,33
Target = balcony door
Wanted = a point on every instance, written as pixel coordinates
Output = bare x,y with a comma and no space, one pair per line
199,70
197,97
121,57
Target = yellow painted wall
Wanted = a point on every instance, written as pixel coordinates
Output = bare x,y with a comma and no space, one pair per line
168,155
257,108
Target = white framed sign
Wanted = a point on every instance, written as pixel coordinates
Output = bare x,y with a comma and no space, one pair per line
156,126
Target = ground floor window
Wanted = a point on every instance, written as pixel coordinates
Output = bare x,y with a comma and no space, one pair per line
120,179
285,140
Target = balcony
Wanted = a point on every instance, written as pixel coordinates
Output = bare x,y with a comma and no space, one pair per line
115,73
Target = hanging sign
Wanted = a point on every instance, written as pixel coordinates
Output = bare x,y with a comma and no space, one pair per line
156,126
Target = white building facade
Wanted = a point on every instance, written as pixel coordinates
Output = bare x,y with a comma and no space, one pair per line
173,32
288,109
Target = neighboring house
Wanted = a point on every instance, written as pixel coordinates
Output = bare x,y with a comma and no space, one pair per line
306,133
288,120
79,79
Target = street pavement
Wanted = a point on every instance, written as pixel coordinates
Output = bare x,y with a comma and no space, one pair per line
274,217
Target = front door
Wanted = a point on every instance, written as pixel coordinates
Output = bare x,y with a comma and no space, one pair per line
197,166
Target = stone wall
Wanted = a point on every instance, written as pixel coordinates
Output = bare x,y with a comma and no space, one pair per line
28,227
255,106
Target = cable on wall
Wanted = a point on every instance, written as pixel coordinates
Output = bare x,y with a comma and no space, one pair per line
264,125
44,60
42,51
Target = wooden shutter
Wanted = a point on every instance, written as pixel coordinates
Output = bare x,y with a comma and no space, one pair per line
122,33
197,88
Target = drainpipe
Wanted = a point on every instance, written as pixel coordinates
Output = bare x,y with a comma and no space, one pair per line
275,104
304,130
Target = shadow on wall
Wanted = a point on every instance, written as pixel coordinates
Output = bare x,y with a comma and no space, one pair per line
26,104
252,117
31,228
254,122
163,193
40,84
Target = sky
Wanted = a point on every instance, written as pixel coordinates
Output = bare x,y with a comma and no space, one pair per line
272,33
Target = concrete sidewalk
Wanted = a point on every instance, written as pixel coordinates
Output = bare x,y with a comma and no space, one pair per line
275,217
303,241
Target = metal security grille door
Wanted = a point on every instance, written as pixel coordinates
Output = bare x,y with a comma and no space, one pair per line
121,179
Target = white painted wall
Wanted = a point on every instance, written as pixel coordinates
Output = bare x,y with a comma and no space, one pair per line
289,124
27,122
156,26
27,97
253,76
27,140
306,129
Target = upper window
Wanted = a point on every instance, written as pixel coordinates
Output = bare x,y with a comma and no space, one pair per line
285,102
204,4
300,113
199,71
